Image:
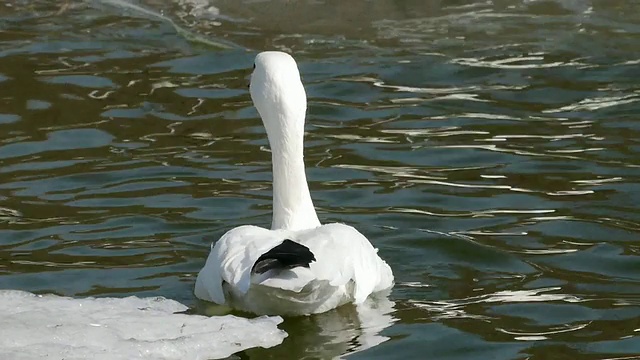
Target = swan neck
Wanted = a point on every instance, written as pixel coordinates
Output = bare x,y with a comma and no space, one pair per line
292,205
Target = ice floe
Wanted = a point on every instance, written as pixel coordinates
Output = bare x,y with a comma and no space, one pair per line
55,327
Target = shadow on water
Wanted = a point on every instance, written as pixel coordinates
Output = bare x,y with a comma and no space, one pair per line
487,148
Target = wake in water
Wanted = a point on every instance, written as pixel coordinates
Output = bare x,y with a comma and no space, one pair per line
200,10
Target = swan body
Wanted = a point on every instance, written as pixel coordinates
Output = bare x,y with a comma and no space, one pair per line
298,266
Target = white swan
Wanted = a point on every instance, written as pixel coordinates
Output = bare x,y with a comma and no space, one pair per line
299,266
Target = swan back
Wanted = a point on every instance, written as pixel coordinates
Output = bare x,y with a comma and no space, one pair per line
347,269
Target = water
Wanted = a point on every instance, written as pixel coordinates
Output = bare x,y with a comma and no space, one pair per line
488,148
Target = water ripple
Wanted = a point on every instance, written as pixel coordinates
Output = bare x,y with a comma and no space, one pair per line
488,149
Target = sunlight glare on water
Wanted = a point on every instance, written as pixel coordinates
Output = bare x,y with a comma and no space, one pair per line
487,148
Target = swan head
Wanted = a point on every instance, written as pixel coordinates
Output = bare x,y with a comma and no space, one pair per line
278,94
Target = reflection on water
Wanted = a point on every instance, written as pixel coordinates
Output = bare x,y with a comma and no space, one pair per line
487,148
348,330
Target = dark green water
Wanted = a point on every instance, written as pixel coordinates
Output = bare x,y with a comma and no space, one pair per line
490,149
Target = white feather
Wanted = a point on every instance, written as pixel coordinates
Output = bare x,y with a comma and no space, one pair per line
347,267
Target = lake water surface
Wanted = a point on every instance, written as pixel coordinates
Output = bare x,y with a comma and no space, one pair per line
489,149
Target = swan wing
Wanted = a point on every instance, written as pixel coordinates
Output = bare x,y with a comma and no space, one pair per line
231,259
343,254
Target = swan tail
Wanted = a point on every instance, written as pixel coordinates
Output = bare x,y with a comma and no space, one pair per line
287,255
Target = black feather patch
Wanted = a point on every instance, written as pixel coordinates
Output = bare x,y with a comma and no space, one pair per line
287,255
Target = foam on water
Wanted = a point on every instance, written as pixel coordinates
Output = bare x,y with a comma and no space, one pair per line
55,327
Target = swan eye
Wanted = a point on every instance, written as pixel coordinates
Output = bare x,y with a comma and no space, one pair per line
254,66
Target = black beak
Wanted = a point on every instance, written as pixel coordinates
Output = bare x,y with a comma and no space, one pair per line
249,77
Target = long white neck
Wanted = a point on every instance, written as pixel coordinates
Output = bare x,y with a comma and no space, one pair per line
292,205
